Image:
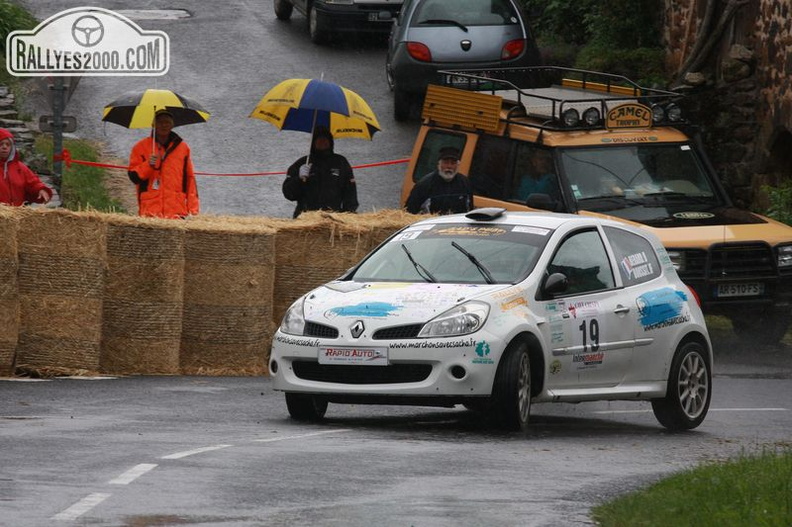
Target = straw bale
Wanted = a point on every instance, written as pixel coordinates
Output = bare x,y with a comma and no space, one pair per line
61,232
9,290
124,355
43,351
142,302
228,282
53,274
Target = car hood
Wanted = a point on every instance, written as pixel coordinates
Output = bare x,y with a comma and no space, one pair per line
386,303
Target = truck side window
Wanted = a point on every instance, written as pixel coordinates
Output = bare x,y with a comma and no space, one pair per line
491,168
435,140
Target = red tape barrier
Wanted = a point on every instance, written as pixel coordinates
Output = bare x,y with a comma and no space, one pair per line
66,158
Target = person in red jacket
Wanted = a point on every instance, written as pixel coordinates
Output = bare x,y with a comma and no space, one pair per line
18,184
162,170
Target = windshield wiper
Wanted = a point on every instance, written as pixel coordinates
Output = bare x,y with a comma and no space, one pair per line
480,266
423,271
439,21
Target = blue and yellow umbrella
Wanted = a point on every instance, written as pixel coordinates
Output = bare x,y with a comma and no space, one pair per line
304,104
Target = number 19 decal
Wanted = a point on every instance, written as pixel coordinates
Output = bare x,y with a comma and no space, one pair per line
590,334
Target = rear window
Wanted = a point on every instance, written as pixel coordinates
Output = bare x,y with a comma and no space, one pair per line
636,258
466,13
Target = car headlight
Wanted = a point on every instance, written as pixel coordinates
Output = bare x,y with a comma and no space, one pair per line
785,257
461,320
677,260
294,321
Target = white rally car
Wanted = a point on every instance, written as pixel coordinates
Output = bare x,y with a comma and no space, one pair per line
496,310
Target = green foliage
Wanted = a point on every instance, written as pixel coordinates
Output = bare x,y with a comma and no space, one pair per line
780,202
82,187
646,66
13,17
751,491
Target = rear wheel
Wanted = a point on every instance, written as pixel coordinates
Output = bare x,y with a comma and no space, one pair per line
689,389
511,394
304,407
766,327
283,9
402,104
318,34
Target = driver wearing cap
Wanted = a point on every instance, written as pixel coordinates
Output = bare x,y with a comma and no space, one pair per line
444,190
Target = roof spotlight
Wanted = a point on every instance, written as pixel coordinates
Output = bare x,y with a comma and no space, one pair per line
674,112
658,114
570,117
591,116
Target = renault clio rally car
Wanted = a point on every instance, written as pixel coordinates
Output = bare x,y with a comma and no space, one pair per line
495,310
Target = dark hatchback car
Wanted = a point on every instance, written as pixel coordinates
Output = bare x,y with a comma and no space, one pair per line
433,35
329,17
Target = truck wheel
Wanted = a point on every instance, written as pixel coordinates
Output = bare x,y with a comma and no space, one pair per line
304,407
283,9
402,105
511,393
689,389
766,327
318,34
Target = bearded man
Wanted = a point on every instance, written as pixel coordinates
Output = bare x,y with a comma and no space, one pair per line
444,190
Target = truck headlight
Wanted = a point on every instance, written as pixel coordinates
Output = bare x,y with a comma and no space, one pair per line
677,260
461,320
785,257
294,321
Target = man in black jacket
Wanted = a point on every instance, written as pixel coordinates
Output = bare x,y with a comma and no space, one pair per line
323,180
444,190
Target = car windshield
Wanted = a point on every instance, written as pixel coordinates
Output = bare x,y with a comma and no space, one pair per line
465,13
456,253
636,174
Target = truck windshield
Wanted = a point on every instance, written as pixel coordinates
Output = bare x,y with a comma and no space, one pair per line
637,172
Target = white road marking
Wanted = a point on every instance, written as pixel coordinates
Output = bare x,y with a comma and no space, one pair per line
81,507
132,474
711,410
273,439
179,455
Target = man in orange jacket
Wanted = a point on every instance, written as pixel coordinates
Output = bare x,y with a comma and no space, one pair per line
18,184
162,170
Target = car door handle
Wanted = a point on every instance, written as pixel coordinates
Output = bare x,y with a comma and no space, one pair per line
620,309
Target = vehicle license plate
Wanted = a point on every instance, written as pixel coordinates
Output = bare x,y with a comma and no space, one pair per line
358,356
753,289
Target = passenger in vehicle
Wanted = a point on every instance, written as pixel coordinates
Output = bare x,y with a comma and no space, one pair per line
444,190
540,178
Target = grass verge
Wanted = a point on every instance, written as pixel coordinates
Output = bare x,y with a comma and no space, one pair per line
752,491
82,187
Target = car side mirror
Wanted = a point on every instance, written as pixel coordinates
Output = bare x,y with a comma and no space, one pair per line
541,201
555,284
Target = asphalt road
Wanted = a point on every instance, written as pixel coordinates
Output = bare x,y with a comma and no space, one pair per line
214,451
227,55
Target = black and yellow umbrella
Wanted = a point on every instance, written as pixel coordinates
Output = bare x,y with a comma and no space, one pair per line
136,109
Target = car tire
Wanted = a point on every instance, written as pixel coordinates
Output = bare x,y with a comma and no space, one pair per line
511,393
304,407
318,34
283,9
689,389
402,105
765,327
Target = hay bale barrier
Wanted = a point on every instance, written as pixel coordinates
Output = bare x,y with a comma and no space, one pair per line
60,280
142,308
9,290
228,283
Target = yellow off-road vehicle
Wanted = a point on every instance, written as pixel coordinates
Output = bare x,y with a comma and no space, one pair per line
598,144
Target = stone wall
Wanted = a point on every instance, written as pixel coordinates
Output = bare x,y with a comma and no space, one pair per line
740,91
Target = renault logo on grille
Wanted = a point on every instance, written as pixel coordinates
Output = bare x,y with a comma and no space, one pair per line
357,329
465,45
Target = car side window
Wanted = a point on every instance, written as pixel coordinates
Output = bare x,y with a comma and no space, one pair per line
430,150
582,258
491,167
635,256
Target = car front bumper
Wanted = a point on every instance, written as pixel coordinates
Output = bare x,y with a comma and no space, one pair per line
364,18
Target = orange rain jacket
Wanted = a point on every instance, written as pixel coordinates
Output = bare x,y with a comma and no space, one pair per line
167,190
18,183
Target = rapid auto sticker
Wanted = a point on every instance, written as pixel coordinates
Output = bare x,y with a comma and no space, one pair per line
636,266
662,308
483,351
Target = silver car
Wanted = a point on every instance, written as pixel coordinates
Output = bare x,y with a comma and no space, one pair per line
433,35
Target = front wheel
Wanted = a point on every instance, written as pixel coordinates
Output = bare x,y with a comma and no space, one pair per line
304,407
318,34
511,394
689,389
283,9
